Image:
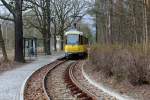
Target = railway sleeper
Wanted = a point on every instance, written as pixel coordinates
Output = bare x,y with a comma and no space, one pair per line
68,81
70,86
82,95
77,92
85,98
67,76
74,89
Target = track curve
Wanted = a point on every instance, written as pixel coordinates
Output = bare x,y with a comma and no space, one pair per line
35,87
56,81
76,88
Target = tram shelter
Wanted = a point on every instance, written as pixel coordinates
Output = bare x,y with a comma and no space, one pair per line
30,47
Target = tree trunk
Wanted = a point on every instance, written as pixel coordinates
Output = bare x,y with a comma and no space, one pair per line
97,17
62,42
134,24
145,28
46,44
18,32
110,11
55,43
2,44
48,38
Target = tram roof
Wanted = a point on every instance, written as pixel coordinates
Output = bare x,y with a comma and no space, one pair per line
74,32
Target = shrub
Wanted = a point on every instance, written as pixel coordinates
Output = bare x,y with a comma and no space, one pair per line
122,63
102,59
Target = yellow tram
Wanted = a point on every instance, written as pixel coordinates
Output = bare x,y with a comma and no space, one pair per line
75,43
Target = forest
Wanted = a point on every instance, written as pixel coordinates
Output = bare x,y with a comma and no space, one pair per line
123,21
122,40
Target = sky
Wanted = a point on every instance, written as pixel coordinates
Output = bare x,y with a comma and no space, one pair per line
2,9
89,20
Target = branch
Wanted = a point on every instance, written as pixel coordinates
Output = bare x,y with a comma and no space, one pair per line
34,25
35,3
6,18
26,8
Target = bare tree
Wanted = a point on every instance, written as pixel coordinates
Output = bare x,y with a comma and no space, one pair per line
15,8
110,15
145,21
67,11
125,22
39,17
62,13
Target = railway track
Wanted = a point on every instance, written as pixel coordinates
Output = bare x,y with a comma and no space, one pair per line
76,88
56,81
35,86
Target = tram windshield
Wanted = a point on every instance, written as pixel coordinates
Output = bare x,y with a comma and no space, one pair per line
72,39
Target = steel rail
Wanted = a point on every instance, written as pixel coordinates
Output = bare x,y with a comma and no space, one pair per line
45,78
49,67
76,88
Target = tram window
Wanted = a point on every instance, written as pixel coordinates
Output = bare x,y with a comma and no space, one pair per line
72,39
